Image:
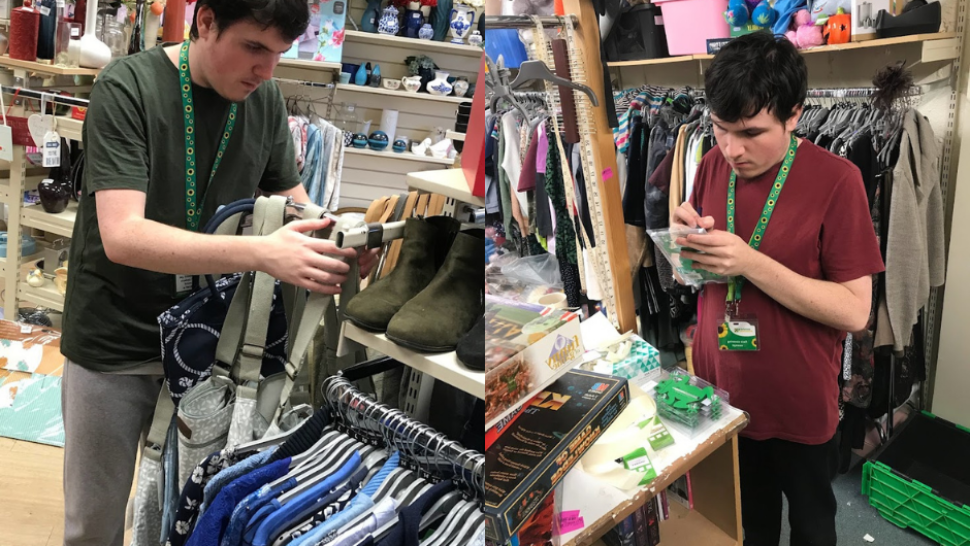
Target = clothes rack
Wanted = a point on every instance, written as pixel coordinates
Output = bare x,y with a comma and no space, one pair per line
526,21
858,92
424,446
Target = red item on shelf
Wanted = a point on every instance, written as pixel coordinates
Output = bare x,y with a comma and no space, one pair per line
24,31
79,112
80,13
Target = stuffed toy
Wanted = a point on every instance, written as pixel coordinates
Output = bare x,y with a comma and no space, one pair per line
804,33
838,28
758,12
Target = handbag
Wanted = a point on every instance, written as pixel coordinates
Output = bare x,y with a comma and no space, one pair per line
237,402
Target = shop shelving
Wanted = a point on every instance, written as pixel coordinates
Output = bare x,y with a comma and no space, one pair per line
442,366
398,93
405,156
400,42
935,47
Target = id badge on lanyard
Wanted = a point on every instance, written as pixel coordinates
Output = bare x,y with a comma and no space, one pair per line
740,332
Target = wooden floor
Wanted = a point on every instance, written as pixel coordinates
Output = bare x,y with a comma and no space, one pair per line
31,494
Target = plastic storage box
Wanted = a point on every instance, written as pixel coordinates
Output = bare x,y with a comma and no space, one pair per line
921,479
689,24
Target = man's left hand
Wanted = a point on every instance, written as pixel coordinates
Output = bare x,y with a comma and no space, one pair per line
724,253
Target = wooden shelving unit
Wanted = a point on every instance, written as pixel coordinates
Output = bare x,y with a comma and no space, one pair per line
49,69
941,46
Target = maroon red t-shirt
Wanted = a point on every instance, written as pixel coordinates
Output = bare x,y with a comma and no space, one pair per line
822,229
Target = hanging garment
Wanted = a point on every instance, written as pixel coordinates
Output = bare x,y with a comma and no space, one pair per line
230,473
915,256
406,532
214,521
192,494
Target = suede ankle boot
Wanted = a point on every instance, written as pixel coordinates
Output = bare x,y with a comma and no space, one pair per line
471,349
424,249
440,316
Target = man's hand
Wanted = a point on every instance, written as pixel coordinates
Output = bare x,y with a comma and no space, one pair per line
296,258
367,260
685,215
725,253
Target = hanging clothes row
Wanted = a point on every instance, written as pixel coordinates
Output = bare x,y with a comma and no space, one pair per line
357,473
319,147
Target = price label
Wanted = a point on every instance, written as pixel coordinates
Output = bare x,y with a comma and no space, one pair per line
45,11
75,32
52,149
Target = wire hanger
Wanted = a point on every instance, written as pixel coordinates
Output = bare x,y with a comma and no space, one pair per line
530,71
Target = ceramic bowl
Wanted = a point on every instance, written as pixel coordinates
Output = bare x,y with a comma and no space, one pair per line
345,77
392,84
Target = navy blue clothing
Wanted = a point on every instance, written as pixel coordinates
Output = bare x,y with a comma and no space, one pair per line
405,533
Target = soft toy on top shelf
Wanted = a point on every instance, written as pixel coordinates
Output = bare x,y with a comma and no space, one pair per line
804,33
759,13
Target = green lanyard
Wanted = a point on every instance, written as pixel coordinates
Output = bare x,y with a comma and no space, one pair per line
193,209
735,283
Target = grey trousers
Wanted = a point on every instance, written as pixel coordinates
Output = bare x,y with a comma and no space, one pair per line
105,416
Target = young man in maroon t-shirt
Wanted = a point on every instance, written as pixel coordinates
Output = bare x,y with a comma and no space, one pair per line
792,230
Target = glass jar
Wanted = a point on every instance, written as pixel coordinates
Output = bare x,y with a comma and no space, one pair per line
115,38
346,117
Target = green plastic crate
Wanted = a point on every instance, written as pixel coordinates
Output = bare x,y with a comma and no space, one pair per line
937,452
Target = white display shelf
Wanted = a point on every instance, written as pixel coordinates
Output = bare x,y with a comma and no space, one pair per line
69,127
441,366
305,64
603,506
399,93
448,182
400,42
405,156
61,224
44,296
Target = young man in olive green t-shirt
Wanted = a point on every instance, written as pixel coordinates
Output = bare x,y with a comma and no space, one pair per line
137,229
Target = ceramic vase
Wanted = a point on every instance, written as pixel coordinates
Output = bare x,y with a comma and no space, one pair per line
426,32
441,19
440,86
361,77
389,24
369,21
54,194
462,20
375,76
378,141
413,20
411,83
476,39
460,87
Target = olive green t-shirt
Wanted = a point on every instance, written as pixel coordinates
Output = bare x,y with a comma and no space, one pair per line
134,138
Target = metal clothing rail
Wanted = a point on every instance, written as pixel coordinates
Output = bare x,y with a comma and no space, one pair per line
306,83
417,442
858,92
526,21
23,92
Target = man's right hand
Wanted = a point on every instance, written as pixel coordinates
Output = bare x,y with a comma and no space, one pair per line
685,215
298,259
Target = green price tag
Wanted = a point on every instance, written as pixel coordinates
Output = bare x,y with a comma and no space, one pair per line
638,461
659,435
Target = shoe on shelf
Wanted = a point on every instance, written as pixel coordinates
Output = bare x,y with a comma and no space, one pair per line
471,349
425,247
440,316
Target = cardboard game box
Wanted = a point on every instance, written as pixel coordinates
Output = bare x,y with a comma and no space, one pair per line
527,462
527,347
